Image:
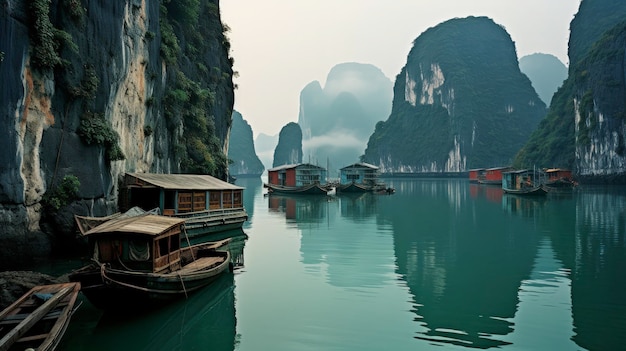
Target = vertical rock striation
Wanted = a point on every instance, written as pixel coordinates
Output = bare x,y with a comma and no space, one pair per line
85,87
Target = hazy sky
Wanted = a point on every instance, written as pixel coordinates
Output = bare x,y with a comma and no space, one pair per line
280,46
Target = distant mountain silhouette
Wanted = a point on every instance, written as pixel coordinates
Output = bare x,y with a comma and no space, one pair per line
241,149
546,73
337,120
460,102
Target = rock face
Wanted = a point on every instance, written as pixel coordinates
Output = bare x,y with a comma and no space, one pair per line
460,102
546,73
289,148
337,120
584,129
241,149
96,89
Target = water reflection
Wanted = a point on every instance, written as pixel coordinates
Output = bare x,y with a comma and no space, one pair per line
598,263
301,209
525,206
206,318
491,193
463,262
358,207
253,186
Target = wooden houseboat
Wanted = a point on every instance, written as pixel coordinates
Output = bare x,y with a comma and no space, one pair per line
208,205
360,178
38,319
559,180
476,174
522,182
301,178
139,261
493,176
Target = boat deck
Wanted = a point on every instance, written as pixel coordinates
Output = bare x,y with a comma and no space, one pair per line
201,262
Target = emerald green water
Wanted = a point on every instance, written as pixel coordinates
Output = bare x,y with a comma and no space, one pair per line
441,264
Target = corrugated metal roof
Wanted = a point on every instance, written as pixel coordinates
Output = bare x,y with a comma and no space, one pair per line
185,181
361,165
294,165
146,225
518,171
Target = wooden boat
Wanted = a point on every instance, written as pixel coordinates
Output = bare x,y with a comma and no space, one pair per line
309,189
301,178
38,319
559,180
139,261
208,205
522,182
361,178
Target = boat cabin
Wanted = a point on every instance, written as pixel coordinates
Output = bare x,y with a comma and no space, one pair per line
296,175
521,179
147,243
177,194
555,174
359,173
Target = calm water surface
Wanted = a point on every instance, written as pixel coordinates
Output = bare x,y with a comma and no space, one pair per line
441,264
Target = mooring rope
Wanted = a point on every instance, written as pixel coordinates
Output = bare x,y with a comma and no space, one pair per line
183,284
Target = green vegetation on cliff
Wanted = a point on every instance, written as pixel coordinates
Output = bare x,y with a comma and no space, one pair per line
597,83
241,149
199,74
460,102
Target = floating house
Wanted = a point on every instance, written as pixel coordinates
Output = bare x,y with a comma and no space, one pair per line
207,204
360,178
493,176
476,174
301,178
559,180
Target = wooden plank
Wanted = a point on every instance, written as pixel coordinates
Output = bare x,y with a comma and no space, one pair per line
202,262
11,337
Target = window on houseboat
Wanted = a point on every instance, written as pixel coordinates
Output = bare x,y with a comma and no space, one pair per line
237,198
169,207
138,250
184,202
199,201
214,200
227,198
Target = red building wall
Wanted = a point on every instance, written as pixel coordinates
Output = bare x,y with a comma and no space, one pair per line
290,179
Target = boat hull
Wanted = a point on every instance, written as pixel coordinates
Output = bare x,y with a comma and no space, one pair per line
109,288
310,189
530,191
362,188
33,322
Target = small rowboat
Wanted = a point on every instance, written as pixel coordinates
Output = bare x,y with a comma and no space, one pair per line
38,319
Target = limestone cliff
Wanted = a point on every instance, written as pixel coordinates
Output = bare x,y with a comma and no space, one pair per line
241,152
289,148
94,89
585,126
460,102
